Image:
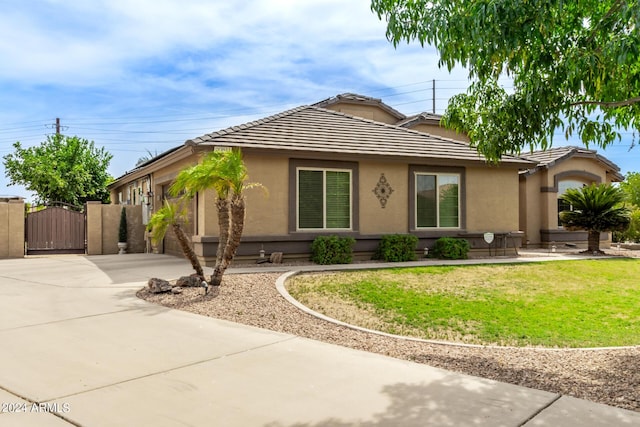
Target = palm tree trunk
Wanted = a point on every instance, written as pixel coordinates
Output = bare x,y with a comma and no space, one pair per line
223,239
235,235
593,241
187,249
223,228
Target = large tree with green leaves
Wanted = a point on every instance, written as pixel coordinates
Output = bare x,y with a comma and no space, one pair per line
595,208
61,169
574,66
631,187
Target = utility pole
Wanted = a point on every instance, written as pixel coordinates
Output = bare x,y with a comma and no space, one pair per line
434,96
58,123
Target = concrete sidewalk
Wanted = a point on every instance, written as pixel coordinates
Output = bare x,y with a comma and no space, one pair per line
78,348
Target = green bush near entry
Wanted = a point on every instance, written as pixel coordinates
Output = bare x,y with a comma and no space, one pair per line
332,250
397,248
122,231
450,248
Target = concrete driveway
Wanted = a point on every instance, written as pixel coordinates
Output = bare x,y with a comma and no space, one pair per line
78,348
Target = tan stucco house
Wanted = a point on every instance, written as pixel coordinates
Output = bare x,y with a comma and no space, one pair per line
349,165
542,187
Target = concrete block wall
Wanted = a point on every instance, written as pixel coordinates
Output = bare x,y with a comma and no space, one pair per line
12,228
103,223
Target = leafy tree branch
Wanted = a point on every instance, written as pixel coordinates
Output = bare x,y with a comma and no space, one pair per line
61,169
574,66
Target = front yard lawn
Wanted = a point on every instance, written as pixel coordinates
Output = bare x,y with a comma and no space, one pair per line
583,303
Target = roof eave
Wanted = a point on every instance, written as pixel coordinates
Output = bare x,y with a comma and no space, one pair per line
176,153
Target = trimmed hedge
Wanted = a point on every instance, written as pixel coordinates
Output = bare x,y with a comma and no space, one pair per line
397,248
122,230
332,250
450,248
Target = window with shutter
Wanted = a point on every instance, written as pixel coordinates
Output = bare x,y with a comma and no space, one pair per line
563,186
324,199
310,199
437,200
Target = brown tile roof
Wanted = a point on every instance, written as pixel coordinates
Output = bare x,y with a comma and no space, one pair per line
552,156
420,118
314,129
354,98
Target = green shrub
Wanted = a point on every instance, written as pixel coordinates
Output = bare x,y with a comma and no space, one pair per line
450,248
632,233
332,250
122,232
397,248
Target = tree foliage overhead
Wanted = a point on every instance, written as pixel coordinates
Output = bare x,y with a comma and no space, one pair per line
575,66
61,169
631,187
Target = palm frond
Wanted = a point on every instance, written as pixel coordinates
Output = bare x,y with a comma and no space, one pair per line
170,214
595,207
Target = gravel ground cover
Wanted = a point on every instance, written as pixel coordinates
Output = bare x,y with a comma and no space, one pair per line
609,376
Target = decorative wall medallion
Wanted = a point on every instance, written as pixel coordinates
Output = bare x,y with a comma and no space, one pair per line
383,190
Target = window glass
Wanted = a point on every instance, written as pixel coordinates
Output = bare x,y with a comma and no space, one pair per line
426,201
437,200
310,199
324,199
448,200
563,186
338,199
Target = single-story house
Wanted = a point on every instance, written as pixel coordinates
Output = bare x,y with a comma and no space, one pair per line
349,165
541,189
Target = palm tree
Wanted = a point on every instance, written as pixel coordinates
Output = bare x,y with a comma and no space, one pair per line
203,176
595,208
234,172
226,173
147,157
171,215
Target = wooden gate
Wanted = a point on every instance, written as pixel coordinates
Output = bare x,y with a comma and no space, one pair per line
55,230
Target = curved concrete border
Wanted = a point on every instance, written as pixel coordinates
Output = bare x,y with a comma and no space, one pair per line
280,286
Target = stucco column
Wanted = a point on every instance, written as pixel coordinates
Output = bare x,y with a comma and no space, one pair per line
94,228
15,228
207,215
206,240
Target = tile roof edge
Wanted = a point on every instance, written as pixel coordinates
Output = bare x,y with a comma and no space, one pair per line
351,97
243,126
424,116
229,130
415,132
571,150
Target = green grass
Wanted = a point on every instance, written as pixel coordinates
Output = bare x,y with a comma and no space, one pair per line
585,303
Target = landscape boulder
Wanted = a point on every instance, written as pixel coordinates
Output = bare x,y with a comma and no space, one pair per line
189,281
158,286
276,258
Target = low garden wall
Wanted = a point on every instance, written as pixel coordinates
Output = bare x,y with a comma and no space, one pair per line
11,228
103,222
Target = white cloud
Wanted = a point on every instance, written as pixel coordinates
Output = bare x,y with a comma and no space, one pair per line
137,75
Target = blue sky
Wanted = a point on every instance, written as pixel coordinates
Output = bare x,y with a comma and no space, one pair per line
145,75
